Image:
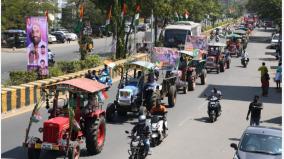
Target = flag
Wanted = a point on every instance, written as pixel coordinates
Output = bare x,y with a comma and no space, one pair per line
81,10
176,15
124,8
137,10
108,16
46,13
102,95
186,14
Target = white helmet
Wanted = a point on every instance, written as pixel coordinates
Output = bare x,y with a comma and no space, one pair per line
142,119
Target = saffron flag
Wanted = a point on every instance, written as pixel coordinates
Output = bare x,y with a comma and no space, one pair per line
138,8
124,8
81,11
108,16
46,13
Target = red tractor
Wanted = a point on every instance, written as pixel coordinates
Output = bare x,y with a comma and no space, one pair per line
70,123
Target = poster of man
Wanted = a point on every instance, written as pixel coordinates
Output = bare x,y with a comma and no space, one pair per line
37,44
196,42
165,57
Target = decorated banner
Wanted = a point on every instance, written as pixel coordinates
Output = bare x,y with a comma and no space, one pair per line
165,58
37,44
195,42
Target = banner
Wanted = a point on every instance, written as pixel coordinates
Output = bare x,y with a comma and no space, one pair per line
196,42
37,44
165,58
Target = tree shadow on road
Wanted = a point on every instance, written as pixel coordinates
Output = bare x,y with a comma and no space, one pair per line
275,120
203,119
234,139
259,39
244,93
15,153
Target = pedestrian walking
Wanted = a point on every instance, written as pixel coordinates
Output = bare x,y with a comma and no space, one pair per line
68,40
254,111
262,69
278,75
265,83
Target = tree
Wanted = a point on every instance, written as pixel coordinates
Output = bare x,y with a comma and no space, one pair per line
14,12
266,9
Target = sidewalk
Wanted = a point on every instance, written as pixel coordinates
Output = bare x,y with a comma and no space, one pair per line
51,46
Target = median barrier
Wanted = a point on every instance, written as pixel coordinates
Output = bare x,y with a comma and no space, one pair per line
14,98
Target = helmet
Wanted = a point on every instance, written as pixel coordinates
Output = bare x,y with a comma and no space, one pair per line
142,119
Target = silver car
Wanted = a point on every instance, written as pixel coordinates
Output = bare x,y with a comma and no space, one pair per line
259,143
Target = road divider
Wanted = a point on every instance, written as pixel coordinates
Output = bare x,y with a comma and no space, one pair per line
15,99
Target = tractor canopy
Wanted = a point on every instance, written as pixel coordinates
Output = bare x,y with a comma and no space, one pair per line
80,85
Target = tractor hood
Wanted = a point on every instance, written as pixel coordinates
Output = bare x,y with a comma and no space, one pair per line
132,89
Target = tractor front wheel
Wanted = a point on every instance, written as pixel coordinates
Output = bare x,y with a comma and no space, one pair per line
74,152
95,134
110,112
33,153
172,96
203,77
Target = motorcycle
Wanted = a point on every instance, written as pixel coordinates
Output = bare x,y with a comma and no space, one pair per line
244,61
158,130
137,148
51,56
214,108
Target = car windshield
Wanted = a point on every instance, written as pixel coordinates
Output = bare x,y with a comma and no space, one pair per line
174,37
259,143
276,37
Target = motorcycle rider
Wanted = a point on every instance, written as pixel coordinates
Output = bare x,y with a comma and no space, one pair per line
159,109
143,130
218,94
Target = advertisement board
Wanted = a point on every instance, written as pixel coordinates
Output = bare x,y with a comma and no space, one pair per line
37,44
196,42
165,58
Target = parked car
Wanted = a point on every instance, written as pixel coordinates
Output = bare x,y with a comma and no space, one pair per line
143,27
51,38
59,36
14,38
71,36
275,40
259,143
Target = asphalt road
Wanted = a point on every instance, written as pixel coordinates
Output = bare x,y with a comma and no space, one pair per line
190,134
17,60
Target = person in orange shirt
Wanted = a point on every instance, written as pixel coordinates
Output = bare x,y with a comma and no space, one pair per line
161,110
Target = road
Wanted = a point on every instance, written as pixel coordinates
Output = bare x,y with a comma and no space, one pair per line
190,135
17,61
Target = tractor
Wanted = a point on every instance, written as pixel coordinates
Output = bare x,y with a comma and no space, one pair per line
69,123
215,59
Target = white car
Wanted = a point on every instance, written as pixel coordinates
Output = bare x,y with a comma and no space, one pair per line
275,40
51,38
72,36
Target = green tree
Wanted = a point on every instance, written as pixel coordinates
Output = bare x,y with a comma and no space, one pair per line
14,12
266,9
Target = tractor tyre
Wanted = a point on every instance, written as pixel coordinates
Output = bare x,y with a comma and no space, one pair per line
191,85
203,77
222,67
33,153
74,152
121,112
95,134
172,96
228,64
184,90
150,98
110,112
218,70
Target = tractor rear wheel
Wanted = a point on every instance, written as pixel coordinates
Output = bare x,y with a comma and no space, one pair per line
172,96
110,112
121,112
203,77
184,90
95,134
33,153
74,152
222,67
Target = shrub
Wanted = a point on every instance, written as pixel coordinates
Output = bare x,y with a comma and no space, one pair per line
20,77
54,71
90,61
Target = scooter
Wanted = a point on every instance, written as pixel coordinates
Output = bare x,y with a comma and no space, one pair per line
214,108
244,61
158,130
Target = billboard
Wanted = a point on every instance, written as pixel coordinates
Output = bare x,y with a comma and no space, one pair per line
196,42
37,44
165,58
